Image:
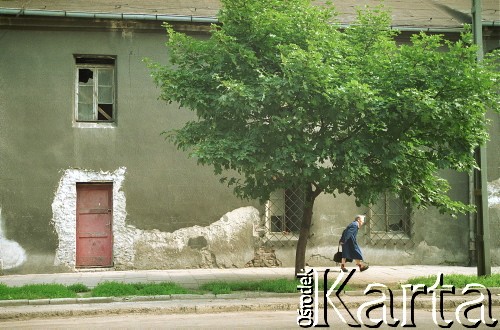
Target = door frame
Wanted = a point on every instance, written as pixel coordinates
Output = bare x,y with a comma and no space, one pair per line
106,185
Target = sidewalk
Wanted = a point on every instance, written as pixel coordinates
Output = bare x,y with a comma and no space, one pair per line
192,278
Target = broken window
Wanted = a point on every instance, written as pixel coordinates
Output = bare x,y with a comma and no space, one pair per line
95,89
284,211
389,222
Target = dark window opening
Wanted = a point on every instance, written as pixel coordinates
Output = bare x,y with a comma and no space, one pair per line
276,223
84,75
105,112
284,212
95,60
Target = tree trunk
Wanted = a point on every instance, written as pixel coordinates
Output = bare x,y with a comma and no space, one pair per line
305,229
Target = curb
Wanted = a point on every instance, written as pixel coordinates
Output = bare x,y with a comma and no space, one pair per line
195,304
138,305
104,300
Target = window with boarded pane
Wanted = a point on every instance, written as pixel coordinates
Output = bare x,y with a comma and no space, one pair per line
95,89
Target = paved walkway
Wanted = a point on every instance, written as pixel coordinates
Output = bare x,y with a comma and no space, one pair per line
192,278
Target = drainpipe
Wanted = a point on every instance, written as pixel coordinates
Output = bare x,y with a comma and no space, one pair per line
483,224
472,223
1,250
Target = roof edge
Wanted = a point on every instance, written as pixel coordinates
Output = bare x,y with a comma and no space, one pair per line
191,18
104,15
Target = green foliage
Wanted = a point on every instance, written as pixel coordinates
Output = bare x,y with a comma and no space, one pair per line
35,291
286,98
162,289
459,281
113,289
281,285
217,287
118,289
78,288
275,285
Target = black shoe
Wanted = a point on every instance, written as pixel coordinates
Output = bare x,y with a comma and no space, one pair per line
343,269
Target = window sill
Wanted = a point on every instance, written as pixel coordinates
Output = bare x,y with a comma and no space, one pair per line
388,235
279,236
94,125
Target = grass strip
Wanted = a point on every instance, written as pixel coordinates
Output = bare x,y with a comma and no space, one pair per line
275,285
37,291
458,280
118,289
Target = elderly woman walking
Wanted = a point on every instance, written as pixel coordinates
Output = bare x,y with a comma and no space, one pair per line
350,247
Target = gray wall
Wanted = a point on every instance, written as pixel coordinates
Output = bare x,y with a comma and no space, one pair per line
167,195
164,189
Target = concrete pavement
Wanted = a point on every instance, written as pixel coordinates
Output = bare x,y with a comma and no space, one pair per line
191,278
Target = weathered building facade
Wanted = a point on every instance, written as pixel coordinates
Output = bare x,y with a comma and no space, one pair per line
87,180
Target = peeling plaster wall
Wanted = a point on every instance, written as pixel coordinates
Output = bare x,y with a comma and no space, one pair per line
232,241
494,212
64,215
12,254
494,194
225,243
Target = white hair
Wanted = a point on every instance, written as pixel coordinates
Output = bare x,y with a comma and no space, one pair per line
361,217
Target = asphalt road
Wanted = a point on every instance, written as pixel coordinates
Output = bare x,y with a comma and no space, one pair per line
235,320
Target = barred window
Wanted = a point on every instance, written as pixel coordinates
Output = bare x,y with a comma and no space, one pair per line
389,222
284,211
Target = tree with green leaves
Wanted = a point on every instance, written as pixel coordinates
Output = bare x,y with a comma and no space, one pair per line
286,98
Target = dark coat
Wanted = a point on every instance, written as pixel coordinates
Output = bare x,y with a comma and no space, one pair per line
350,247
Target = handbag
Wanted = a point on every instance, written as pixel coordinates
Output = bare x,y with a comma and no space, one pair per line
337,257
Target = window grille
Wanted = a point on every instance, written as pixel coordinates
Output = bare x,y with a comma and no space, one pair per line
283,214
389,222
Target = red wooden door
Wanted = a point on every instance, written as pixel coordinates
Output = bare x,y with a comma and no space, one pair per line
94,215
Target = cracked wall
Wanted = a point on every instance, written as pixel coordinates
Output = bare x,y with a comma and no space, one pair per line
226,243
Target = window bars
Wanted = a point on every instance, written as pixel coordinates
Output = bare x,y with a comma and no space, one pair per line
283,215
389,223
